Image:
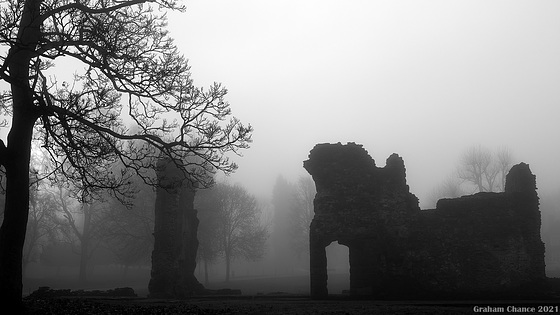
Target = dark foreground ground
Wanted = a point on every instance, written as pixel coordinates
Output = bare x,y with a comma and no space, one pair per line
274,305
265,296
125,301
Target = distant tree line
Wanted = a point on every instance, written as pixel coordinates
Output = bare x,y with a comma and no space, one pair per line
230,226
65,229
60,219
292,214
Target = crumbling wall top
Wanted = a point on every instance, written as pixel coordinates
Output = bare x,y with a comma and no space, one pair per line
347,179
520,179
338,157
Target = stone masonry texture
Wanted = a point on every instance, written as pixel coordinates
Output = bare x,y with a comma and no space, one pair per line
175,236
475,245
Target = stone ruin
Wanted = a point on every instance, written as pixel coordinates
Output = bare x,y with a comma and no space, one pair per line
175,236
479,245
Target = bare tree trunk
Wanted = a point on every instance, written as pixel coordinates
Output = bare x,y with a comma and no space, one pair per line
205,272
228,261
16,156
32,237
83,261
28,249
12,232
84,243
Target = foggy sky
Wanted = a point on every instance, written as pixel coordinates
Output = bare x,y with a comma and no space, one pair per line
424,79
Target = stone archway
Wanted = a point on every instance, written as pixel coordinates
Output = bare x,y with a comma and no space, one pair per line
338,268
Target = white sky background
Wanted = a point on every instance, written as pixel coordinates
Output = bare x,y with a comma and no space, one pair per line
424,79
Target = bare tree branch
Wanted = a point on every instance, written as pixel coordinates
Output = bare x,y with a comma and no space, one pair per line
96,141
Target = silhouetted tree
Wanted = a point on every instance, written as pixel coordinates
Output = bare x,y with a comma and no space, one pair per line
480,169
42,220
449,188
484,170
42,223
237,223
207,205
85,221
128,231
301,215
125,50
283,201
504,161
2,202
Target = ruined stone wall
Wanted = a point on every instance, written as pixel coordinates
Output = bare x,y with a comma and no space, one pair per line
487,242
175,236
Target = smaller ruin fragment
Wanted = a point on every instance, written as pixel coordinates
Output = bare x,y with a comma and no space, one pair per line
483,244
175,236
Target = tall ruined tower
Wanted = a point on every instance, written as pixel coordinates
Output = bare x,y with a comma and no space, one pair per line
175,236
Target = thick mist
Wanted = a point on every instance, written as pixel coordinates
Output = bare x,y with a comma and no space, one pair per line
428,80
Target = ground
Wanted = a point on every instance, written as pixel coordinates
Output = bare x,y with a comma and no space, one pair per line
252,305
282,295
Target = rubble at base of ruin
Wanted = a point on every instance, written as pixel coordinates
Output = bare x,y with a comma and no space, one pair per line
479,244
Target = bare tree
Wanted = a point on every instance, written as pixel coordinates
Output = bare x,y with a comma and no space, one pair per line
85,221
302,214
43,208
474,166
41,224
504,161
480,169
485,171
128,230
208,209
449,188
239,230
283,201
131,66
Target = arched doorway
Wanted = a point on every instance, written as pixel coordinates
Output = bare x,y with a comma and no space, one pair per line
338,268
